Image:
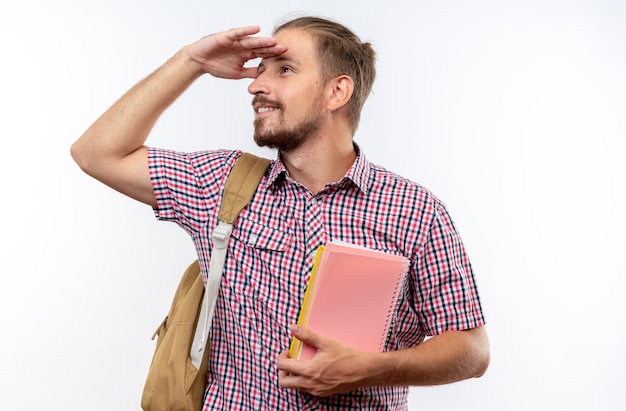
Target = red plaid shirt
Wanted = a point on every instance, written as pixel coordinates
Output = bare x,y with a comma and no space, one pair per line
271,253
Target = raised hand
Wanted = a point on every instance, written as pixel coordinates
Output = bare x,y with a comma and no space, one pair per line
225,54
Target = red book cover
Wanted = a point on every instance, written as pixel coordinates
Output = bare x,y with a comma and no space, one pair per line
351,297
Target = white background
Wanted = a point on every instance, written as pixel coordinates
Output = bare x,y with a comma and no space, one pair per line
512,112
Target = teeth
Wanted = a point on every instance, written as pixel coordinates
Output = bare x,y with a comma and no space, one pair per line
265,109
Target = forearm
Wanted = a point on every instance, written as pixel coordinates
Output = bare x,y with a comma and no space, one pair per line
450,357
124,127
336,368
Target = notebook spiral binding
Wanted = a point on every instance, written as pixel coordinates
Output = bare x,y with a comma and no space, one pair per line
393,308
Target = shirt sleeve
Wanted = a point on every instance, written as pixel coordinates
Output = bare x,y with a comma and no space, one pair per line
448,294
187,185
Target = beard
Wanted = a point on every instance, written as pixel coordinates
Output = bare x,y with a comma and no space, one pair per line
285,138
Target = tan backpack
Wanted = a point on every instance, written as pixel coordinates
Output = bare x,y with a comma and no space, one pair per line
177,375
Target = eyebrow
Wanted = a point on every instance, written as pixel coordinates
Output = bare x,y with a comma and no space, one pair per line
279,59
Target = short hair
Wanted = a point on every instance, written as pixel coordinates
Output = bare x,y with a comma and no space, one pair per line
341,52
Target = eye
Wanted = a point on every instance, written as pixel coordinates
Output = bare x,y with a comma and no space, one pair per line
286,69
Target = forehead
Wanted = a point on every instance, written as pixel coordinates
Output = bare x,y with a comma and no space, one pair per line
301,45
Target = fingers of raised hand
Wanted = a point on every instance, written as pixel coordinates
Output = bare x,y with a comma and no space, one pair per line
225,54
242,38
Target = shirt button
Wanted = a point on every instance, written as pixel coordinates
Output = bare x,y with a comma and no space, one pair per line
253,239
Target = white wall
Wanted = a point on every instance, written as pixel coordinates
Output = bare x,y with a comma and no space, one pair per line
511,111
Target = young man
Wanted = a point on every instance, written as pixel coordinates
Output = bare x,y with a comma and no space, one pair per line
308,90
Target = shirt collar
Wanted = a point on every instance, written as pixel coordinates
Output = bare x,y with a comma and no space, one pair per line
358,174
360,171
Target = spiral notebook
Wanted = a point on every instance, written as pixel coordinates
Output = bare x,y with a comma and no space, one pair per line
351,297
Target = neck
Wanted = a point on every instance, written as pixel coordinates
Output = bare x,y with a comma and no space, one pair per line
320,161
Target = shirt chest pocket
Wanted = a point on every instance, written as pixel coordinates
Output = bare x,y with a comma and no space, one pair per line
258,236
259,261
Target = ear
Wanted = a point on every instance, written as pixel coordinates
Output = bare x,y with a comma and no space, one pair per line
341,88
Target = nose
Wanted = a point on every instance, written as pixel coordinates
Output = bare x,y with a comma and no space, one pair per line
259,85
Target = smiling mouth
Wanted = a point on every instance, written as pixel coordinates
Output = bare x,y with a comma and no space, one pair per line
263,105
261,110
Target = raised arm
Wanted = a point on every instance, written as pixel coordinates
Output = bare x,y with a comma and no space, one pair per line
112,149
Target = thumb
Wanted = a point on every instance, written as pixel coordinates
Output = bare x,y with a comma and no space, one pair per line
306,336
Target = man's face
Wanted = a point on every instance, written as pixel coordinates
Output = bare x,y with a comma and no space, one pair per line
288,94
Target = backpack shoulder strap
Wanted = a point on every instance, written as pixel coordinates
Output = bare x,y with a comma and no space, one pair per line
240,186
